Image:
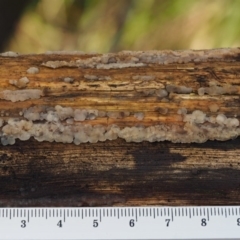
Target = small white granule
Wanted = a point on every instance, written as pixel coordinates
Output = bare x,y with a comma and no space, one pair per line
201,91
55,64
184,90
139,116
182,111
211,119
33,70
70,121
221,119
68,80
32,114
161,93
21,83
52,116
178,89
21,95
112,132
9,54
199,116
92,114
64,112
232,122
213,107
5,140
80,114
13,82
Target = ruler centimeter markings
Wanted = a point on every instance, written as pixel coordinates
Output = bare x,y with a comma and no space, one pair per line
212,222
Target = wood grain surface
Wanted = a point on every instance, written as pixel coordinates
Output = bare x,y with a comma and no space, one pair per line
119,173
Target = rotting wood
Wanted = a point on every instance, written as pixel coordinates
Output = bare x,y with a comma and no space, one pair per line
180,96
136,95
119,173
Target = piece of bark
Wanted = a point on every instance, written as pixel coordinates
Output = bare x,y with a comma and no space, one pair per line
118,172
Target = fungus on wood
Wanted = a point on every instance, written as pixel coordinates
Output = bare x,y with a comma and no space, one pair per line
73,97
91,129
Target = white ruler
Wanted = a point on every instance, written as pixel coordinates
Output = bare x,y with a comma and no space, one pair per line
121,223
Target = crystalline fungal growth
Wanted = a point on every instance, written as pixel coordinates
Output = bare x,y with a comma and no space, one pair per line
64,124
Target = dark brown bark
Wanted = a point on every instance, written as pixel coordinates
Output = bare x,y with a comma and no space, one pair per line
119,173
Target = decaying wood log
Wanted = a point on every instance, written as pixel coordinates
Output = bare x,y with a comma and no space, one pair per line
78,105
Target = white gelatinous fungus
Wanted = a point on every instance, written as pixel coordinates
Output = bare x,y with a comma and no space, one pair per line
127,59
80,114
139,115
161,93
9,54
182,111
92,114
221,119
178,89
33,70
232,122
68,80
201,91
13,82
21,83
21,95
196,116
32,113
64,112
215,90
163,122
57,124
